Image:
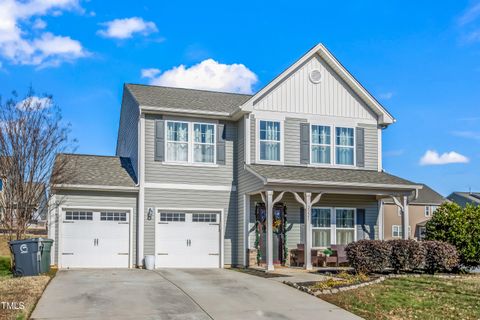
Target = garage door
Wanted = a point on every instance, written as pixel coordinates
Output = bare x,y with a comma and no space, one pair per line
95,239
188,240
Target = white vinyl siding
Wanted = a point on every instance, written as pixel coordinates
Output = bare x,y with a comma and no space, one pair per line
270,145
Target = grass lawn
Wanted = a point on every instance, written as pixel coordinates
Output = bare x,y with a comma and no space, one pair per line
414,298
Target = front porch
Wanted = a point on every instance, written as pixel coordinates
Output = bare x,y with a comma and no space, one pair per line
308,216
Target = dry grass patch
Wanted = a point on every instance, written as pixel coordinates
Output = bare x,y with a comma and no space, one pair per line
25,290
422,297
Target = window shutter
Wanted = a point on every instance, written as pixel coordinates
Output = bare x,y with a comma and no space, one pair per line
304,143
159,140
302,215
360,152
361,224
221,135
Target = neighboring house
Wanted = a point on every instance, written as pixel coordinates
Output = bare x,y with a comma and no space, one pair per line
464,198
201,167
420,211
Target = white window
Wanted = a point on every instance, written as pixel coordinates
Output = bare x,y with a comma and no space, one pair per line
113,216
78,215
321,149
172,217
204,217
177,141
321,227
189,142
344,146
204,143
333,226
397,231
421,233
428,211
270,140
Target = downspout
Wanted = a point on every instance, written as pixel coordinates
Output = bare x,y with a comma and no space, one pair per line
141,193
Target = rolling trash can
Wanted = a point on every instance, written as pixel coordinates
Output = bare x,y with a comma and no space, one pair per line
26,256
46,245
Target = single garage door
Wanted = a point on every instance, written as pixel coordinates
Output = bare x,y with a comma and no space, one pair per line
95,239
188,240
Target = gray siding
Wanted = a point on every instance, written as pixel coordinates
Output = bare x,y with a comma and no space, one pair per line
292,140
194,199
156,171
295,228
99,199
371,146
127,143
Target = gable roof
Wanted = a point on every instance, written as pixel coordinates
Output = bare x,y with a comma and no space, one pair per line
464,198
92,171
426,195
157,98
385,117
328,176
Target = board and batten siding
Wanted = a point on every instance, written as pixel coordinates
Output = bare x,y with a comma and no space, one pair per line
82,199
194,200
371,146
331,97
295,225
127,143
160,172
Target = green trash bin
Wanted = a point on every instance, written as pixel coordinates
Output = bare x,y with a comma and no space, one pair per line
46,246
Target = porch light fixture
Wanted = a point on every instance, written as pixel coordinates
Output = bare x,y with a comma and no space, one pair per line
150,214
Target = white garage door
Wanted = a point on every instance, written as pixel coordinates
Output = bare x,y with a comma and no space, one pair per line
95,239
188,240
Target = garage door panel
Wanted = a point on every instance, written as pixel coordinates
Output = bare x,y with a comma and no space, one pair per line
101,241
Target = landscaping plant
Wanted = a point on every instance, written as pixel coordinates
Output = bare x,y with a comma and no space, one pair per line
406,255
460,227
440,256
367,256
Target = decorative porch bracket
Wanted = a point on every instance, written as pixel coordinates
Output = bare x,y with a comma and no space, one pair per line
307,204
403,205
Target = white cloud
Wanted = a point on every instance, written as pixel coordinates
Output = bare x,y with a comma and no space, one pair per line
126,28
475,135
386,95
432,157
209,75
150,73
35,103
22,47
470,15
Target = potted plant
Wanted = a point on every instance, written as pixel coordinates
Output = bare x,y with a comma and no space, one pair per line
328,252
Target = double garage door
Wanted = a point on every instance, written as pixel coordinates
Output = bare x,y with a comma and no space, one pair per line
101,239
95,239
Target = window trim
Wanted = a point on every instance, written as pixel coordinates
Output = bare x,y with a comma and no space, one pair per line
400,231
333,224
333,146
427,210
191,144
282,141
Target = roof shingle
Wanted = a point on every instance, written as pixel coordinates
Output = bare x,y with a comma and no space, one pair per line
186,99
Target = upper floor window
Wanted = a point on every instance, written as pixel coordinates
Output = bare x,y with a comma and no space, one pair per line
177,141
190,142
321,144
428,211
270,140
344,148
204,143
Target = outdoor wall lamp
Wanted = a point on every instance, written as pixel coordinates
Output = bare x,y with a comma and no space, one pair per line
150,214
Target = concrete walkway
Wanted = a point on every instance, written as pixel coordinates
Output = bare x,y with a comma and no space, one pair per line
176,294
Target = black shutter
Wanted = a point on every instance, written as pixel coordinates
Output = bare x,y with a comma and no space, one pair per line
159,140
221,136
361,224
304,143
302,215
360,137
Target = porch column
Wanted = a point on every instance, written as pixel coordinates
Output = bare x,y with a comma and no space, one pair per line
269,226
405,218
308,231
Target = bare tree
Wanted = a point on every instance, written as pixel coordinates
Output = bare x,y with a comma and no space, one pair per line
31,134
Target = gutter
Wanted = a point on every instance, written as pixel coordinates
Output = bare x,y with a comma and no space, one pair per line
86,187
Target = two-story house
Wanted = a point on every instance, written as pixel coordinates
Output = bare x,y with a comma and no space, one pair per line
201,177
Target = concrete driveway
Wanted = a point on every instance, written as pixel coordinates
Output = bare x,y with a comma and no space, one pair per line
176,294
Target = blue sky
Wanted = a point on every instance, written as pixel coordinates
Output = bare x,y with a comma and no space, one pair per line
421,59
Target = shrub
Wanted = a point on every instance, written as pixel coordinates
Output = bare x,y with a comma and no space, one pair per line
406,255
367,256
440,256
460,227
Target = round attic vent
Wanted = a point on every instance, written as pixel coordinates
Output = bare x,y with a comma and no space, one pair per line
315,76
